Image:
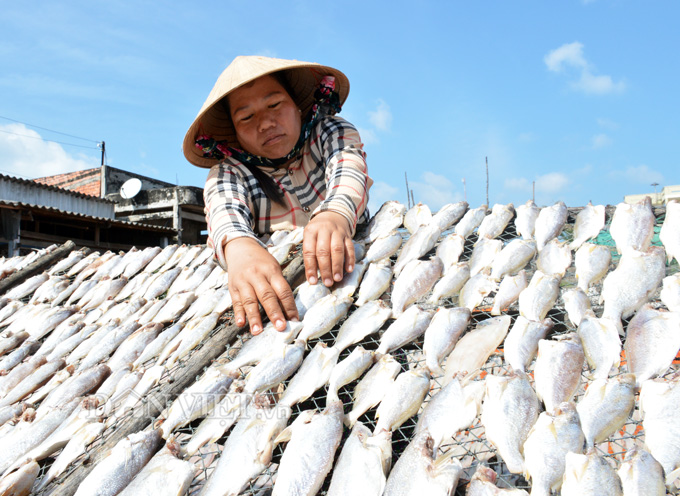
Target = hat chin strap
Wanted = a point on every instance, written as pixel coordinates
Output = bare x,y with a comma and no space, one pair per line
326,102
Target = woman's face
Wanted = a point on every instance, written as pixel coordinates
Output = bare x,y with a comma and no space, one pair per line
265,117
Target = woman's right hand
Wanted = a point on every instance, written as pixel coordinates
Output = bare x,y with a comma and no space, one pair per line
255,277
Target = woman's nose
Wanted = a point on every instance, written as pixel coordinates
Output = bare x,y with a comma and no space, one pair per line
266,121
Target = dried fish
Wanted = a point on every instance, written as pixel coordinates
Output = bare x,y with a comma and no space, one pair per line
449,214
549,223
632,226
495,223
525,222
670,231
539,296
605,407
409,326
509,412
384,247
470,221
127,458
402,399
589,475
418,215
589,223
521,343
415,281
592,263
451,283
557,372
512,258
509,291
421,242
601,344
441,335
376,281
372,387
366,320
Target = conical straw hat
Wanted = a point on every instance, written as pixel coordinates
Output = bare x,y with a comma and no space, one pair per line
214,120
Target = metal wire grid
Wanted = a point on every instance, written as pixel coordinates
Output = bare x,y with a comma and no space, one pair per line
471,443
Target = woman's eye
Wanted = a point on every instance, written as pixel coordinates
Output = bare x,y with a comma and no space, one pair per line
246,118
274,105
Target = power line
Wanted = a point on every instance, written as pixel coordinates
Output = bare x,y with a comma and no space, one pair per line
50,141
50,130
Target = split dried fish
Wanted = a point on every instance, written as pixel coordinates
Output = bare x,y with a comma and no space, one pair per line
670,231
605,407
363,464
539,296
557,372
509,412
390,216
384,247
576,303
592,263
545,450
632,226
450,249
449,214
652,342
418,215
451,282
376,281
371,388
421,242
549,223
513,258
476,289
554,258
419,471
127,458
309,455
601,344
483,254
470,221
525,222
509,291
495,223
475,347
307,295
590,475
402,399
589,223
670,292
366,320
641,474
442,334
323,316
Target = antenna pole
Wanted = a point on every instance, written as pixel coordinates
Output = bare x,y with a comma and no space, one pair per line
408,198
487,180
103,147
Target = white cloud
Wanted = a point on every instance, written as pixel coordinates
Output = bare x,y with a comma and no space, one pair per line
597,85
368,136
601,141
642,174
527,137
570,56
553,182
607,124
379,193
381,117
434,190
24,153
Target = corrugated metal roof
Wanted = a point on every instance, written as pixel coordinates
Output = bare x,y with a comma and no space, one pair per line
114,222
30,182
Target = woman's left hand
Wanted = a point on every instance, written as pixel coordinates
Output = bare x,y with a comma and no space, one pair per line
327,247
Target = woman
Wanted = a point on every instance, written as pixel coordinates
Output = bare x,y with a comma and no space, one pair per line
279,159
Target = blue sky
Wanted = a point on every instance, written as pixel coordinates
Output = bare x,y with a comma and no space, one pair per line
577,96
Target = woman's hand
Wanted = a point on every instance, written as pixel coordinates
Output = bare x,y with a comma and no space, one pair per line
255,277
327,247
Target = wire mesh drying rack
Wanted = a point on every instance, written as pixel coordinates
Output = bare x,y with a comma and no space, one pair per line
471,446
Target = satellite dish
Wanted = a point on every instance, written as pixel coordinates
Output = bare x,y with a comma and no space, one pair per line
130,188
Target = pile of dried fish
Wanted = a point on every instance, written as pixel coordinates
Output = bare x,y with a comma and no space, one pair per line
392,383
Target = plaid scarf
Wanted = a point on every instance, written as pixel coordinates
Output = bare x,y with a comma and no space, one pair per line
326,102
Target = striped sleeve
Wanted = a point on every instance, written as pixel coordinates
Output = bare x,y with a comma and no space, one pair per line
228,208
346,174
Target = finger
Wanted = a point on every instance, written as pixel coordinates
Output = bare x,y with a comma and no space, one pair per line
270,303
323,258
309,256
252,309
239,313
337,255
286,299
350,255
